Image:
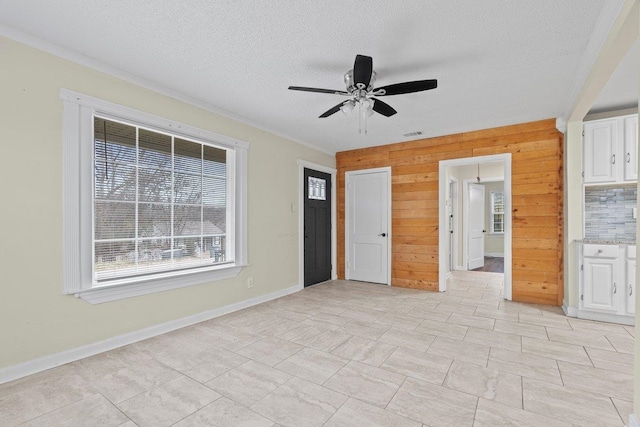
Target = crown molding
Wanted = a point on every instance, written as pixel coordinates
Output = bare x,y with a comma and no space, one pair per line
86,61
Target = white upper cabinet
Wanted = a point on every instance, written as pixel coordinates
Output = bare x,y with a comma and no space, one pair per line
600,140
631,148
610,147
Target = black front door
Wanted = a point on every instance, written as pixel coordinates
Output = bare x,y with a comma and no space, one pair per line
317,227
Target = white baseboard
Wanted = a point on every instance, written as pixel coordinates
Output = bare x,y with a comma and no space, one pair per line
606,317
633,421
47,362
569,311
494,255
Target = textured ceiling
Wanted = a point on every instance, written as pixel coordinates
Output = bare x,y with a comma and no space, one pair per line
497,62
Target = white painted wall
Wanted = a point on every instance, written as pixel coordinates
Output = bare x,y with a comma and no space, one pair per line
36,319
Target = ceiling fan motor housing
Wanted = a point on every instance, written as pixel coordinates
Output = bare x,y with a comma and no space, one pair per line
351,87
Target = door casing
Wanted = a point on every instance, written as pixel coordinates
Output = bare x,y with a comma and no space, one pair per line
443,257
317,231
299,208
453,210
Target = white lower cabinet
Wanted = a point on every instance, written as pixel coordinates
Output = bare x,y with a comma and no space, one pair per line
600,284
607,283
631,286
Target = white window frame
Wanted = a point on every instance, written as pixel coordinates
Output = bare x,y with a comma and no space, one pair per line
493,213
79,111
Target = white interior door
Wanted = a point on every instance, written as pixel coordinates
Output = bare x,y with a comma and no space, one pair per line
475,220
368,229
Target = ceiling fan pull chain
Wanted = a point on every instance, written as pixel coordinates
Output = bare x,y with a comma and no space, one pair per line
364,114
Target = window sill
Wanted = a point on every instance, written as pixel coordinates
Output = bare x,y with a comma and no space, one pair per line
118,291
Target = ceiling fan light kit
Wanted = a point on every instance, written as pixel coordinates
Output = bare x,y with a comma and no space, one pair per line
360,88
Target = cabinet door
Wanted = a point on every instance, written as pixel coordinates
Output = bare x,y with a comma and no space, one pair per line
631,148
600,285
631,286
600,141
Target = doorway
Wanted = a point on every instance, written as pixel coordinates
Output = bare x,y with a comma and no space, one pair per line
317,237
368,225
473,248
317,227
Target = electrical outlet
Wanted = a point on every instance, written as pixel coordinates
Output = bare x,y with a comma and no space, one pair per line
250,282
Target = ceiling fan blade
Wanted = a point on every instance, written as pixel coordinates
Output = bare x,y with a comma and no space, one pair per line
314,89
406,87
362,70
383,108
331,111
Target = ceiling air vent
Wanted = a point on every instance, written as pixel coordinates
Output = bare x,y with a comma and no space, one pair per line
416,133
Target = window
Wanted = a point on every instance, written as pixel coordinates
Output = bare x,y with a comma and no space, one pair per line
149,204
317,188
497,212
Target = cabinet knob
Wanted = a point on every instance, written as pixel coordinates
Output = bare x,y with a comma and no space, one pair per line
599,251
613,159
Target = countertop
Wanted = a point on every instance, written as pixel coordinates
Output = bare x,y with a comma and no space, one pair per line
606,242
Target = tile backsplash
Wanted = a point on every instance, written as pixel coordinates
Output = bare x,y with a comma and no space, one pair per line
608,214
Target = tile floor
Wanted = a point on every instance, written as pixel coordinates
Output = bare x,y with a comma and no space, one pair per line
351,354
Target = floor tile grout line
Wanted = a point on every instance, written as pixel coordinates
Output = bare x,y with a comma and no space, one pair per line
593,365
198,410
395,393
560,372
617,410
69,404
522,390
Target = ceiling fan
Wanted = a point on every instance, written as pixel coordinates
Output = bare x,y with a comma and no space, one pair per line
361,92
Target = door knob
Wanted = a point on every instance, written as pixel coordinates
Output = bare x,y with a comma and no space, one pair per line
383,234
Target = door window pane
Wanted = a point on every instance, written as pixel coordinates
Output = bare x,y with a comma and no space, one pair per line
317,188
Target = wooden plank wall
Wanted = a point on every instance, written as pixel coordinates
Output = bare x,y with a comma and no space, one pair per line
537,203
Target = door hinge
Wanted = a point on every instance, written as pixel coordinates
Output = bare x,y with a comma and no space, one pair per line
582,267
583,174
581,297
583,132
